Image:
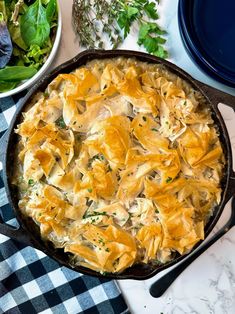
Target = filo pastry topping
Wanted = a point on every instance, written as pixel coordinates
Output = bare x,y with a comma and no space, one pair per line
119,163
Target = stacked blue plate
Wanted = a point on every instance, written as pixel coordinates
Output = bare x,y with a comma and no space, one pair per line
207,28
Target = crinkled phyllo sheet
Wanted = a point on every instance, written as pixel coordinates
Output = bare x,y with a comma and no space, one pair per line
119,163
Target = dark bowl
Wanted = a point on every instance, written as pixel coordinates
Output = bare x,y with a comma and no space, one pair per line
28,231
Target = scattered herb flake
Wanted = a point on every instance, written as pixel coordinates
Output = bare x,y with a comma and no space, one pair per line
109,169
168,180
60,123
31,182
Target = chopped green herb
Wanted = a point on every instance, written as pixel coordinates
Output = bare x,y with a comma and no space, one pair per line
144,118
103,213
109,168
107,249
93,214
140,125
89,190
60,123
154,129
157,263
98,156
101,241
169,179
31,182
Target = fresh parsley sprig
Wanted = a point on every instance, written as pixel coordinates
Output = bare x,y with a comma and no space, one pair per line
92,18
149,37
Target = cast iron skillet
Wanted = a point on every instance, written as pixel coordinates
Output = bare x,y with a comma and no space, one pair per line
28,232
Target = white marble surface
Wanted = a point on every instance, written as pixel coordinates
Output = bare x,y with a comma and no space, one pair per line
208,285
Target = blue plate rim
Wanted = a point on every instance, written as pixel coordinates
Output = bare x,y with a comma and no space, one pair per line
194,52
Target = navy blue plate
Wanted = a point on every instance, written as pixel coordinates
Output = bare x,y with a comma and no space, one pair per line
207,28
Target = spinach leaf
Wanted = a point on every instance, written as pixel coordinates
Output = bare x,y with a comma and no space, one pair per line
45,2
34,26
16,36
6,86
51,10
3,10
16,73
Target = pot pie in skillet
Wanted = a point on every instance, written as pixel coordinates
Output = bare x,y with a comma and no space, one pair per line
119,162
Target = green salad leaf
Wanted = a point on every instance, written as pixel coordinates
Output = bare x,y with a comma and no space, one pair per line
3,10
16,36
51,10
45,2
34,26
16,73
6,86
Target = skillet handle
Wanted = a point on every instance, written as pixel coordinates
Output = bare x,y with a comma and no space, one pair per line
19,234
231,187
217,96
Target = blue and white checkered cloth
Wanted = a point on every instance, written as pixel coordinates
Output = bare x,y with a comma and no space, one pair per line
31,282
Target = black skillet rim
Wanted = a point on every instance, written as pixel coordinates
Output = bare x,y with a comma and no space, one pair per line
138,271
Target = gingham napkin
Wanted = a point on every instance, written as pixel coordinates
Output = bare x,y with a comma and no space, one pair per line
31,282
